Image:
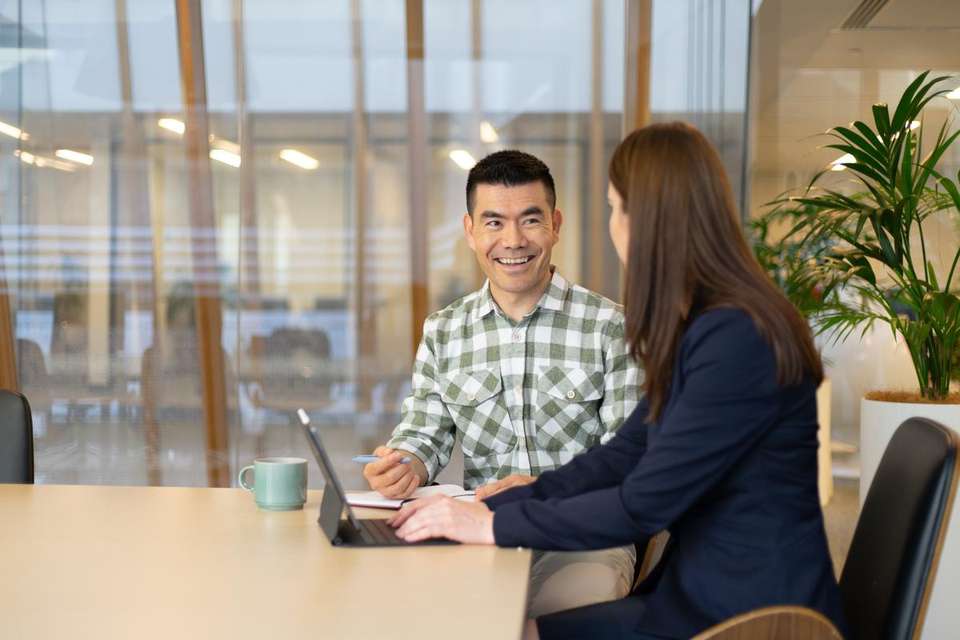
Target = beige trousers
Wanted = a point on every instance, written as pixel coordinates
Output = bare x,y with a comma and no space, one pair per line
566,579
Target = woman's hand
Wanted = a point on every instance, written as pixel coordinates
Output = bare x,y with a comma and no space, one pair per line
444,517
516,480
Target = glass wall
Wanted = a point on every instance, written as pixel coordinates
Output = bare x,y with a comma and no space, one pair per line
820,64
211,218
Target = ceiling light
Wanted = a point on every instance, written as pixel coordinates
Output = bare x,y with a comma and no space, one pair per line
488,133
226,157
914,124
74,156
53,163
299,159
463,159
172,124
955,94
840,163
226,145
12,131
25,156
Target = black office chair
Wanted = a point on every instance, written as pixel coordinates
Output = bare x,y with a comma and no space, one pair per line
16,438
890,569
889,572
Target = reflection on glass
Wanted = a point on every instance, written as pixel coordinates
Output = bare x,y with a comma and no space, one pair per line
309,259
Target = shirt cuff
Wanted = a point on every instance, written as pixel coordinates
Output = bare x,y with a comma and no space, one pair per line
423,453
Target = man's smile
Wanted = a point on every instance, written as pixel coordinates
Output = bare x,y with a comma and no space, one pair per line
514,261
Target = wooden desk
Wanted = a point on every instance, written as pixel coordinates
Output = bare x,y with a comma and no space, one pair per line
162,562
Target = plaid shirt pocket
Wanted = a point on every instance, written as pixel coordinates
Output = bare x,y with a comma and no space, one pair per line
568,404
475,399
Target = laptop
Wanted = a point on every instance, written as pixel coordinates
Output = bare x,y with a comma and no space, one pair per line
349,531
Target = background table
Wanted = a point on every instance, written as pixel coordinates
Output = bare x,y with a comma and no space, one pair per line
162,562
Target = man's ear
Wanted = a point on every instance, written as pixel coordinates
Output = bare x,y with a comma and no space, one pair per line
557,219
468,231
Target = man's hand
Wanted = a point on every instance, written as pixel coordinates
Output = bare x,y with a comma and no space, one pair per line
516,480
444,517
393,479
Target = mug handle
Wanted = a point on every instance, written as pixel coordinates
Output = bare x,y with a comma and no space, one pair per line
240,478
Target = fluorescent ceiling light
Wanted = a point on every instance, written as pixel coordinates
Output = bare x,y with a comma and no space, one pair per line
172,124
53,163
955,94
839,163
25,156
74,156
463,159
12,131
488,133
226,145
226,157
299,159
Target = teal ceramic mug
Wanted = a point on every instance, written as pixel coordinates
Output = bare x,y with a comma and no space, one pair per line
279,484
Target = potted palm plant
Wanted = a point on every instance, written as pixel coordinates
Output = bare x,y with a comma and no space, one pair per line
866,259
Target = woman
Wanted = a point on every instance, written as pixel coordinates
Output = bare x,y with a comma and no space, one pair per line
722,452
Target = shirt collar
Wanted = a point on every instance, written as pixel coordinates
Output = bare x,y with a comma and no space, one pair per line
551,300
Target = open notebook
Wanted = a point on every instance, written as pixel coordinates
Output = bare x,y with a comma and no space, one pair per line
374,499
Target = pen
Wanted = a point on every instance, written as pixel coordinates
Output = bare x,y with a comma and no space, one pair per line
367,459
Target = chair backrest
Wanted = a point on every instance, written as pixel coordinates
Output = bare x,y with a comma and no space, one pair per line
890,569
774,623
16,438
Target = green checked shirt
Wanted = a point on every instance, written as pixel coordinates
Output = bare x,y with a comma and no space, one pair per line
521,397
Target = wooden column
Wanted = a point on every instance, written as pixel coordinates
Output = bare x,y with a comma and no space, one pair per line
249,259
8,360
476,68
417,177
596,230
203,240
249,228
363,310
638,23
133,202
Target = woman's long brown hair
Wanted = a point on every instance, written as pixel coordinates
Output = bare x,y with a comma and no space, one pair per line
687,251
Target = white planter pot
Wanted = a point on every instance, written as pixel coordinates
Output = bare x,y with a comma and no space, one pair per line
824,465
878,421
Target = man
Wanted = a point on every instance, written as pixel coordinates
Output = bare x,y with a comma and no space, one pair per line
527,372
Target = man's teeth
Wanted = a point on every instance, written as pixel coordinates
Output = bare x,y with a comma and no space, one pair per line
513,260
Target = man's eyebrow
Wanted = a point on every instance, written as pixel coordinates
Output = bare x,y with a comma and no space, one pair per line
532,211
492,214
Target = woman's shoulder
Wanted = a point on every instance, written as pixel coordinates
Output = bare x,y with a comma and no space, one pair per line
728,320
724,331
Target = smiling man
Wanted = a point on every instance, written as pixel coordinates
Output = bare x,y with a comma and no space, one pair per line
526,373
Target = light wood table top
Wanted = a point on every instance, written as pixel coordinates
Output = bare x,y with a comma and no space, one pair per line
163,562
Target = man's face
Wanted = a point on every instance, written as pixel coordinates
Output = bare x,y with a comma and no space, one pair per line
512,231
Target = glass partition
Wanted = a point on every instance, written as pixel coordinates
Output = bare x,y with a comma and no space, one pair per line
247,172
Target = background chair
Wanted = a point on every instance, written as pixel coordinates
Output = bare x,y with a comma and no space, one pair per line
889,573
16,438
890,569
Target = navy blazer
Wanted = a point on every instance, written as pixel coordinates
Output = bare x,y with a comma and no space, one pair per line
730,469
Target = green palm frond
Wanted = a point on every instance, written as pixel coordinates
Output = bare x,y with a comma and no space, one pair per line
849,261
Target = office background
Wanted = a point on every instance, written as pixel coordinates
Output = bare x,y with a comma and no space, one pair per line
216,212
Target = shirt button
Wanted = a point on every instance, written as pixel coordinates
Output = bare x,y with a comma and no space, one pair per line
571,395
516,335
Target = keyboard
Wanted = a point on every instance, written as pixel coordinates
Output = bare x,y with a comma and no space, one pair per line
377,530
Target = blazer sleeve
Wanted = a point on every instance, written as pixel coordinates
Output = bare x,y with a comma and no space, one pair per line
601,466
729,398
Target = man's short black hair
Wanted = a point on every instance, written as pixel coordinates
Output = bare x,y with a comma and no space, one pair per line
510,168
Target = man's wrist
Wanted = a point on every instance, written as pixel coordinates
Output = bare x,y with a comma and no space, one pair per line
418,467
